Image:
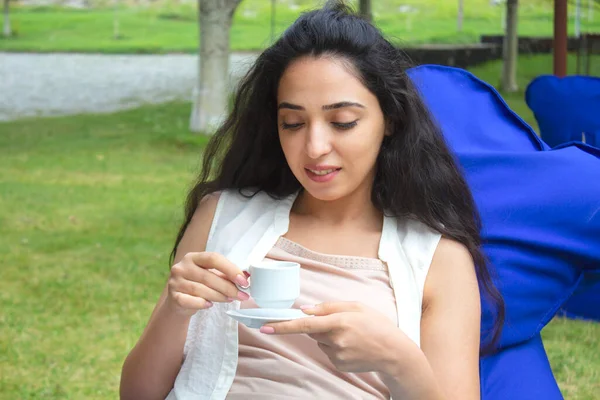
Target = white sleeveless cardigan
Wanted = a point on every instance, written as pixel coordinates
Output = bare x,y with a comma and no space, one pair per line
244,230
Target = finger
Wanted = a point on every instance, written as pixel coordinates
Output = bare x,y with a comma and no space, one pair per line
219,262
200,290
333,308
222,275
191,302
302,325
218,283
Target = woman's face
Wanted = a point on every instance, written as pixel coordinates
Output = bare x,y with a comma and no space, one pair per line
330,127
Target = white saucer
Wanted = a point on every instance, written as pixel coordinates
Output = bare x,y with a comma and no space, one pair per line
257,317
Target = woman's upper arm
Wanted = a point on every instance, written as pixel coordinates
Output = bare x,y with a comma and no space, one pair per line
450,325
196,235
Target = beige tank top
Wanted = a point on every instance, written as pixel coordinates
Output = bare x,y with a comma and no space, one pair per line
293,367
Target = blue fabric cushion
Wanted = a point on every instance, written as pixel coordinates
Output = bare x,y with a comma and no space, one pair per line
540,212
521,372
565,108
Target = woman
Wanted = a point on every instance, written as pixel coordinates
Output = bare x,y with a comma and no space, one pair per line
329,158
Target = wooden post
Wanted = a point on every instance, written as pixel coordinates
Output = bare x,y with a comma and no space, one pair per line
577,18
560,38
510,48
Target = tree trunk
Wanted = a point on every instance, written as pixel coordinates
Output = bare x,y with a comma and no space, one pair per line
116,31
511,48
211,93
365,10
460,16
7,31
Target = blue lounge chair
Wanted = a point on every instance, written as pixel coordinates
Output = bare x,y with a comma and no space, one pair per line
541,220
566,109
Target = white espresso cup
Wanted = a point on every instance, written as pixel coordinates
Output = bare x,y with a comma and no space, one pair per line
274,284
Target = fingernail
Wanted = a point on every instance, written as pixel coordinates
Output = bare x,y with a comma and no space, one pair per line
246,274
209,304
242,296
307,307
267,329
231,299
240,280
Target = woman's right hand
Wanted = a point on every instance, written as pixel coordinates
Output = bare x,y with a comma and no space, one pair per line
200,279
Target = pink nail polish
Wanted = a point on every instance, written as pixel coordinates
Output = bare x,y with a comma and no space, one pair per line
209,304
231,299
240,280
306,307
242,296
267,329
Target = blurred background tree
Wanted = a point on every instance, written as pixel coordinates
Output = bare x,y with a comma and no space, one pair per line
6,29
210,96
365,9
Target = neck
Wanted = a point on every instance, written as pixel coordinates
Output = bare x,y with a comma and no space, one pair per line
357,207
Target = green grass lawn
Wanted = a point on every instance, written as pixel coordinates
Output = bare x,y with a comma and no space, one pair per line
89,206
166,26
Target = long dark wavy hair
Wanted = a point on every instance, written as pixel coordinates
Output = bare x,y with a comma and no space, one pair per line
416,175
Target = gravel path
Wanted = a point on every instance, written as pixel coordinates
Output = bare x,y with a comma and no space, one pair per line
64,84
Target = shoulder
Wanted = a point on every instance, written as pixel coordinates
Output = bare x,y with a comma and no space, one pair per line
452,251
220,213
419,242
411,229
196,233
206,210
451,262
450,258
236,210
207,207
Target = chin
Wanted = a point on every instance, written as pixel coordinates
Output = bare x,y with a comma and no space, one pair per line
330,193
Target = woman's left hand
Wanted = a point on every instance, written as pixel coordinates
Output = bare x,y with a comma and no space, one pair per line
356,338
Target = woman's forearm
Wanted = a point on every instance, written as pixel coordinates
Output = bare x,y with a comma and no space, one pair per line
411,378
150,369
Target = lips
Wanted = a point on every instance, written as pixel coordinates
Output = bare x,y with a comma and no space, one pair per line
320,167
321,173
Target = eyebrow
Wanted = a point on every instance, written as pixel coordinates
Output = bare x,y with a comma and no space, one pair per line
327,107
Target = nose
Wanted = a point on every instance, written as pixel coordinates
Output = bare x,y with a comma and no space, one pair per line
318,141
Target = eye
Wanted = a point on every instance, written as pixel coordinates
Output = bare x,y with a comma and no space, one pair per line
291,126
345,125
